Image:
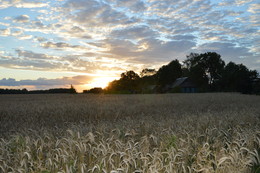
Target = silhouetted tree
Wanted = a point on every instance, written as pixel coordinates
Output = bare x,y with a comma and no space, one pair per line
130,81
205,69
129,76
147,80
127,83
13,91
72,90
49,91
237,77
198,75
167,74
96,90
147,72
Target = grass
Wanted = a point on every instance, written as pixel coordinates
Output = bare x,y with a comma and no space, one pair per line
130,133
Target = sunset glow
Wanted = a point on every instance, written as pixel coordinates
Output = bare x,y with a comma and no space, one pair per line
101,82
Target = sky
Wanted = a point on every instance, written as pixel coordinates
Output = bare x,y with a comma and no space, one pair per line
87,43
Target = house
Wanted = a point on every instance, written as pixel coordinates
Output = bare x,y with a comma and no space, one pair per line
183,85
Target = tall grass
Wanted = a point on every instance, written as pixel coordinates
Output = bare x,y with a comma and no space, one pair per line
130,133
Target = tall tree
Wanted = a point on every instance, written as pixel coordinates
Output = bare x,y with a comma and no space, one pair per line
205,68
238,78
167,74
128,82
129,75
148,78
214,66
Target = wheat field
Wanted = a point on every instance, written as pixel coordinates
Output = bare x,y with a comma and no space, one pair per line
174,133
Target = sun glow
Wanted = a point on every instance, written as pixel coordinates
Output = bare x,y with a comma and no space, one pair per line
101,82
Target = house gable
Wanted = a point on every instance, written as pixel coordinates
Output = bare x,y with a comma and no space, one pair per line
185,85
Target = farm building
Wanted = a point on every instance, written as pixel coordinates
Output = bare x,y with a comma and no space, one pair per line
184,85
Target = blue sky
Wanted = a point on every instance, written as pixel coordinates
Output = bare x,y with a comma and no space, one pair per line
46,44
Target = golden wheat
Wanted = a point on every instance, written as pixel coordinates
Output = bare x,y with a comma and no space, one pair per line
172,133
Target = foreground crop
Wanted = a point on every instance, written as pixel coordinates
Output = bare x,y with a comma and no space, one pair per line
130,133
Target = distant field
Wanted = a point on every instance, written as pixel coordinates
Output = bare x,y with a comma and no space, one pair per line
130,133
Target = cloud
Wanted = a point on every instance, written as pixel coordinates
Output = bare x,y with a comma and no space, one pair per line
96,13
234,2
5,24
131,5
60,45
163,51
183,37
134,32
254,8
38,24
34,61
5,32
18,34
77,32
15,33
148,50
22,19
21,4
76,80
30,60
226,49
39,39
85,48
242,2
25,37
34,56
30,64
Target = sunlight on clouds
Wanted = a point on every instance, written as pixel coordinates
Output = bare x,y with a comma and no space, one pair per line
25,37
241,2
16,33
94,46
254,8
143,47
21,4
4,24
5,32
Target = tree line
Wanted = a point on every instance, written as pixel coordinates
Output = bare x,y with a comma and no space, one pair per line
207,70
70,90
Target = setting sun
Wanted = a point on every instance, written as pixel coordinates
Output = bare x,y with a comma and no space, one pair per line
101,82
